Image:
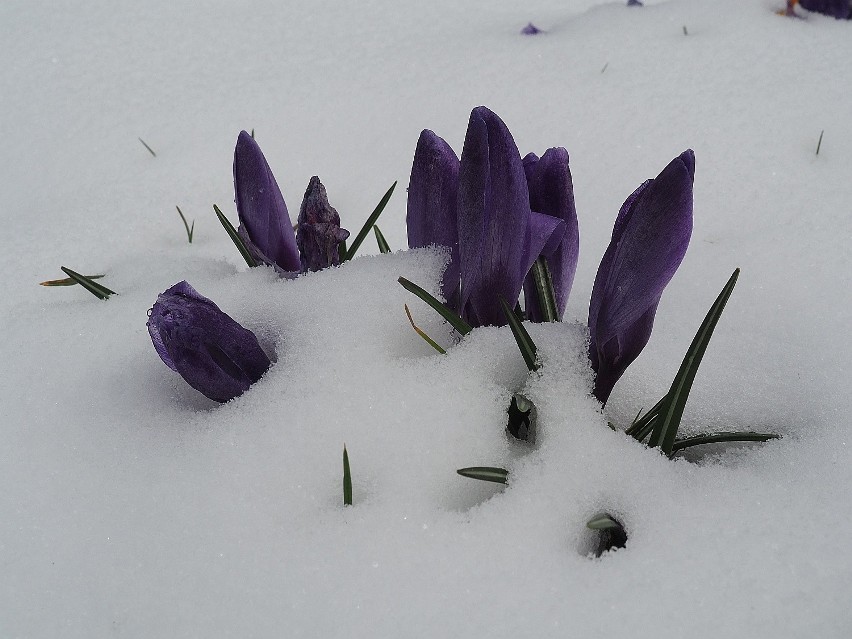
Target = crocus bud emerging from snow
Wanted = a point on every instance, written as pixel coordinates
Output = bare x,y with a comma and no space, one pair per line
265,225
530,29
840,9
319,231
649,240
212,352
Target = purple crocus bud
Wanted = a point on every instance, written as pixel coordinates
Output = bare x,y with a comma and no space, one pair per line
319,232
531,29
431,216
265,225
499,238
840,9
212,352
649,240
552,194
634,3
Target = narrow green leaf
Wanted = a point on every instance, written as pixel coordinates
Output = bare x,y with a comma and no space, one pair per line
347,479
544,289
461,327
380,240
369,223
525,343
189,229
150,150
68,281
252,134
665,429
98,290
819,142
640,424
715,438
235,238
486,473
602,522
422,333
646,429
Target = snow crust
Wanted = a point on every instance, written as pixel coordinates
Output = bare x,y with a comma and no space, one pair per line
132,506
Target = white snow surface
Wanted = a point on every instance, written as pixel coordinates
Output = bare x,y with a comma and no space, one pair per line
132,506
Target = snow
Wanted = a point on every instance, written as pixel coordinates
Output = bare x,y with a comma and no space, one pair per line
132,506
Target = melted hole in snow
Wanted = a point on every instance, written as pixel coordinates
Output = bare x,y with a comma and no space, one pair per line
604,533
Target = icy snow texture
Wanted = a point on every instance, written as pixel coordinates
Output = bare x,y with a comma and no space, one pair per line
132,506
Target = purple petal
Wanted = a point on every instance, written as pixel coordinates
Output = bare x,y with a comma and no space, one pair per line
531,29
493,217
319,231
432,194
649,240
840,9
552,193
212,352
261,207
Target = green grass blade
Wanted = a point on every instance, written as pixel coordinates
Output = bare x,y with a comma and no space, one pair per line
145,144
423,334
544,288
380,240
347,479
486,473
602,522
356,243
68,281
665,429
525,343
715,438
235,238
98,290
461,327
185,225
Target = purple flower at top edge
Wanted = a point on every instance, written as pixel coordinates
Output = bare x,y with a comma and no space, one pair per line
839,9
212,352
634,3
319,232
265,225
479,207
649,240
531,29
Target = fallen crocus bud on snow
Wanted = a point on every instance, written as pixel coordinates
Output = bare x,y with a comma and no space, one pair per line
211,351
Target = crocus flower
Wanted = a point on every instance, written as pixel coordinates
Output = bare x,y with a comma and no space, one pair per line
265,225
634,3
649,240
319,232
530,29
479,207
212,352
840,9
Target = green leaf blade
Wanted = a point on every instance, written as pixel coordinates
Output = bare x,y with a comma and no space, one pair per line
525,343
544,289
98,290
486,473
356,243
717,438
461,327
347,479
666,427
235,238
384,247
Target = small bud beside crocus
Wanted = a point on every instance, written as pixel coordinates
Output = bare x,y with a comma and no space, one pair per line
319,232
211,351
649,240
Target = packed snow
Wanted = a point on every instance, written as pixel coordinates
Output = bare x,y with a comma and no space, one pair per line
133,506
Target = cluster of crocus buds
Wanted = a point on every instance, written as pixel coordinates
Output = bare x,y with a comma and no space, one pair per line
265,226
497,214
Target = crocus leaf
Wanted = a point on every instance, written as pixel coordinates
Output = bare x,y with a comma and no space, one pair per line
525,343
544,290
380,240
612,533
145,144
715,438
68,281
347,479
98,290
356,243
640,424
232,233
422,333
665,429
461,327
521,413
602,522
189,229
486,473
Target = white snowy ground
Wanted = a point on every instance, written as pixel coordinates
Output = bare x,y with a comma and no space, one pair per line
132,506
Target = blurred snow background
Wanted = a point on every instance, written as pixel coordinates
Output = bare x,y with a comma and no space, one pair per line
134,507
